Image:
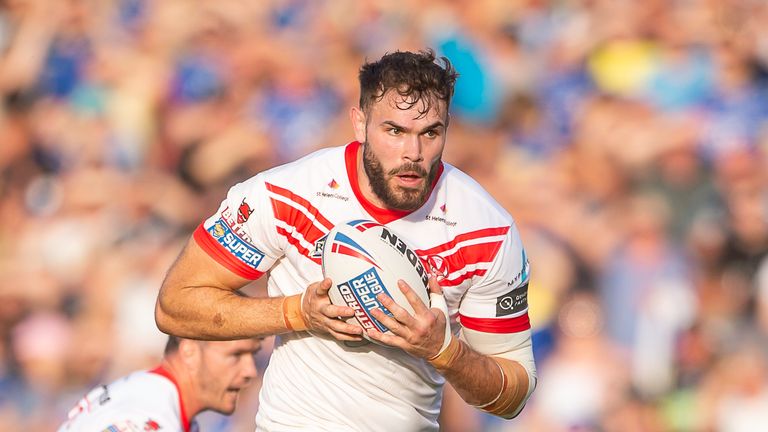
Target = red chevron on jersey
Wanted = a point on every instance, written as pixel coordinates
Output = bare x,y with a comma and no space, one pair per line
303,203
466,253
296,221
464,276
293,241
470,255
486,232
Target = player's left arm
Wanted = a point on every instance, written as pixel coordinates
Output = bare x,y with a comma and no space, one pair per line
491,363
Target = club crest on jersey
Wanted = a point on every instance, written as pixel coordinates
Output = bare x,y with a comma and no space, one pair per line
243,251
346,246
437,267
360,293
244,211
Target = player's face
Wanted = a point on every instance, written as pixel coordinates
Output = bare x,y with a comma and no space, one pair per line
226,367
402,149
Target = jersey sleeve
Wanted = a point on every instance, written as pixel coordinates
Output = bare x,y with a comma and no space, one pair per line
498,301
241,234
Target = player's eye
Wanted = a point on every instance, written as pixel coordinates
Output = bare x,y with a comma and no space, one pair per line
431,134
394,131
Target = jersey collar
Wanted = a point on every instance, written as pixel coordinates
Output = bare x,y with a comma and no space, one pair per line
381,215
160,370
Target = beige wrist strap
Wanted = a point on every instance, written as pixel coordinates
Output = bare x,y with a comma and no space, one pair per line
446,357
292,316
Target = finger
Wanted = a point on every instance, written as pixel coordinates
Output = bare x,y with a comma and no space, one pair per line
339,326
413,299
389,322
323,286
434,286
395,309
385,338
335,311
344,336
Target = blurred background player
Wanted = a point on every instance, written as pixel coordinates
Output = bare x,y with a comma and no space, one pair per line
194,376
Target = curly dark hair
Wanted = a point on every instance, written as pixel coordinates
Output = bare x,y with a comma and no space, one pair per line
416,76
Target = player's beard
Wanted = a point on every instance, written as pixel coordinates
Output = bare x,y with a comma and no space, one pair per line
394,196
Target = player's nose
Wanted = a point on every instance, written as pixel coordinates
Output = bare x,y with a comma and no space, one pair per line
412,148
249,370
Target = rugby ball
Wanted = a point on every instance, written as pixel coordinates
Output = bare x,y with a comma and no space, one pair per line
364,258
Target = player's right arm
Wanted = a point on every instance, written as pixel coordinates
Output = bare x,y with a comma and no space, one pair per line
199,300
199,297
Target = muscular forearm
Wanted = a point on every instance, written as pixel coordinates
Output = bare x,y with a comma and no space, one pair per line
495,384
216,314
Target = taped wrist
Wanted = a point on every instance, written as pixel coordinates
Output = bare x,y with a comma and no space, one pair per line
447,357
292,316
514,389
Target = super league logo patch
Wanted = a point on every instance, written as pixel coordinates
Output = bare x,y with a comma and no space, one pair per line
512,302
242,250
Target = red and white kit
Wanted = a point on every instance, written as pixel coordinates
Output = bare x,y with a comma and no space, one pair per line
142,401
272,221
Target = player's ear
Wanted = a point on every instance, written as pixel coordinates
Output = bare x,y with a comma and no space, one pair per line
358,123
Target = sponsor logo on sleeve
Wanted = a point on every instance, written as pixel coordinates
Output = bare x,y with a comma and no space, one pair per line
152,425
244,211
231,220
235,245
524,272
360,293
513,302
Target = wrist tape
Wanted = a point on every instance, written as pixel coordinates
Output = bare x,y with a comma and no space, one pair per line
447,356
292,316
514,389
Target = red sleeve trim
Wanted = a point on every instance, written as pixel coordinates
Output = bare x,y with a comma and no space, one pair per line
496,325
163,372
216,251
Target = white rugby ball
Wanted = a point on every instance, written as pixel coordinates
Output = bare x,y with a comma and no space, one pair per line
364,258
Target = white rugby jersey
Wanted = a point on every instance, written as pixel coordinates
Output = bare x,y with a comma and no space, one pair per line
271,222
142,401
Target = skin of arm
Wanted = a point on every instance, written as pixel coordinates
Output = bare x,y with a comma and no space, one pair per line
198,299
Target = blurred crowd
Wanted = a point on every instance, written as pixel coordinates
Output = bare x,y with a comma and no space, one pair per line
628,138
